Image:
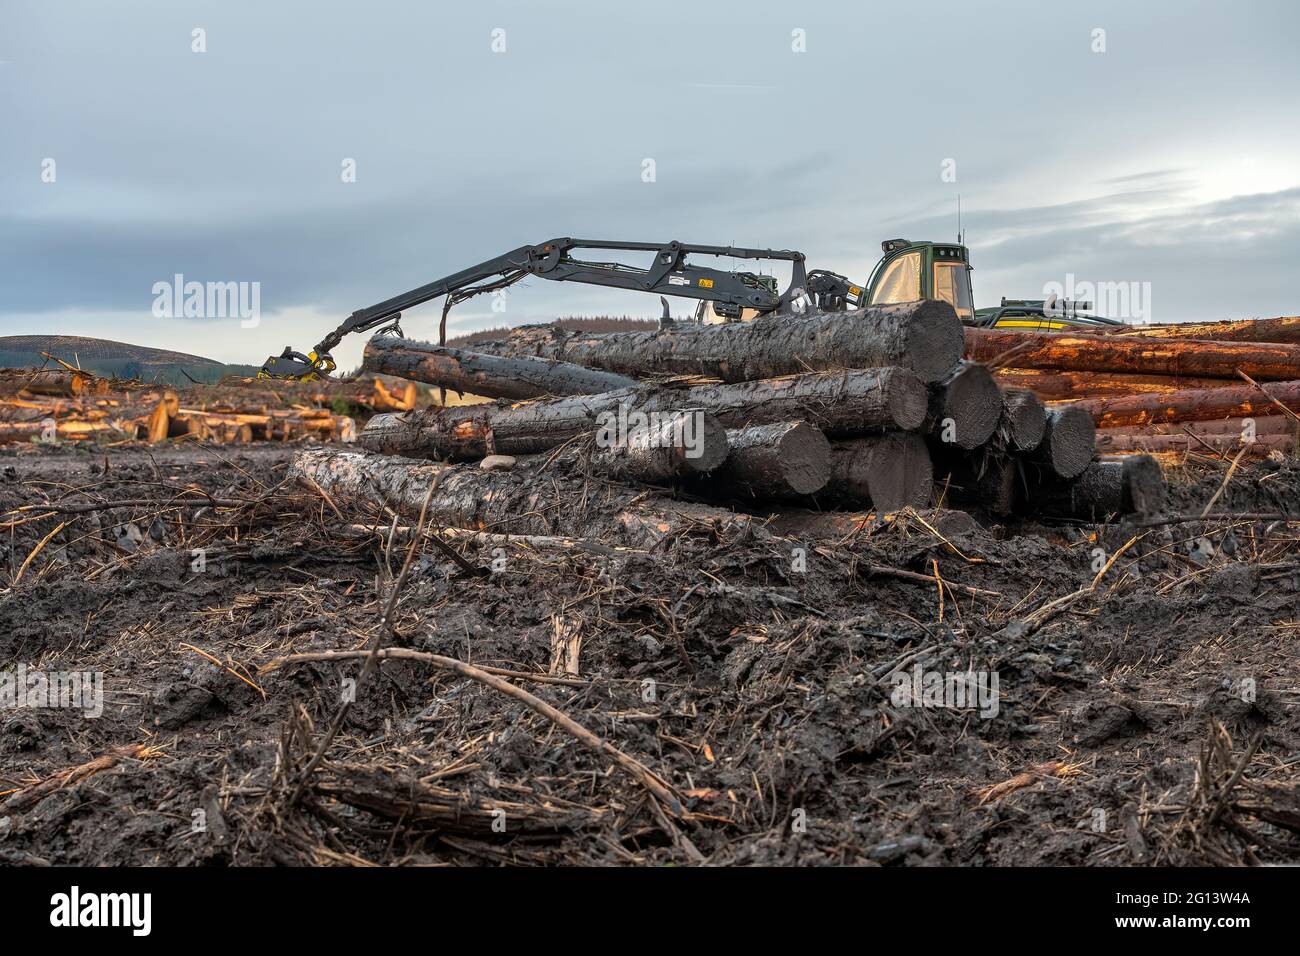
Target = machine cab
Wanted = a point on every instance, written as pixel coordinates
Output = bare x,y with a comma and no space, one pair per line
923,270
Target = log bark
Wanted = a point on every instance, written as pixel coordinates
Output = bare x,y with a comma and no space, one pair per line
491,376
1139,354
1069,442
1023,422
1124,485
523,500
923,336
1228,401
965,407
779,461
1056,385
842,404
675,445
890,472
1283,330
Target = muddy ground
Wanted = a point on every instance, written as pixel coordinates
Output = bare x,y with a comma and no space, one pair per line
1149,719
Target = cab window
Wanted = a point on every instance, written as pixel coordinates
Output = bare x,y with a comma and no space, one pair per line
951,286
901,281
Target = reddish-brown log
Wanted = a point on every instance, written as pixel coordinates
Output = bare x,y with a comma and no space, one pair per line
1118,353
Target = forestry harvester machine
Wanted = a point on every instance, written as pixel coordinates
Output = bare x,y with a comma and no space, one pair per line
908,271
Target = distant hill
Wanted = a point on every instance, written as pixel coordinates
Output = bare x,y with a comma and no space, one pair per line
109,358
594,323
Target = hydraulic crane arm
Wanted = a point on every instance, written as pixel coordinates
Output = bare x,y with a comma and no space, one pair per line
669,274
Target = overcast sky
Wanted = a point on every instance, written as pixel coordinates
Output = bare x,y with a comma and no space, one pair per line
1169,158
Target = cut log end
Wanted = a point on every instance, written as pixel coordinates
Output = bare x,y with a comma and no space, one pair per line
891,472
1024,419
1121,485
935,340
1070,442
965,408
908,400
782,460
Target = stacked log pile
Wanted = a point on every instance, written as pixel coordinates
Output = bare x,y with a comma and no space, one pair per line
67,404
1218,389
873,408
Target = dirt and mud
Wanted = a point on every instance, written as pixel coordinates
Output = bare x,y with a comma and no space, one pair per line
799,708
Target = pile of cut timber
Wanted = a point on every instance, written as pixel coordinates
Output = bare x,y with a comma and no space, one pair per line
71,405
872,408
1212,388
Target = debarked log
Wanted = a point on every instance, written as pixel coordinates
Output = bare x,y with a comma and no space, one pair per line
1115,440
849,403
924,336
1055,385
491,376
1138,354
1285,329
1193,404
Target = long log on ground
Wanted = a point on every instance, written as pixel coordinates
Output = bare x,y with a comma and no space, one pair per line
676,445
1283,330
1053,385
965,407
523,500
841,404
1194,404
922,336
1069,442
1119,353
491,376
1024,420
51,381
889,472
1124,485
1117,441
782,460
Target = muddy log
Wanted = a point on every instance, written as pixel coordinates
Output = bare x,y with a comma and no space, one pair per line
890,472
922,336
1284,330
782,460
1053,385
841,404
491,376
1140,354
1069,442
965,407
522,500
1193,404
987,480
1128,484
1023,422
676,445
